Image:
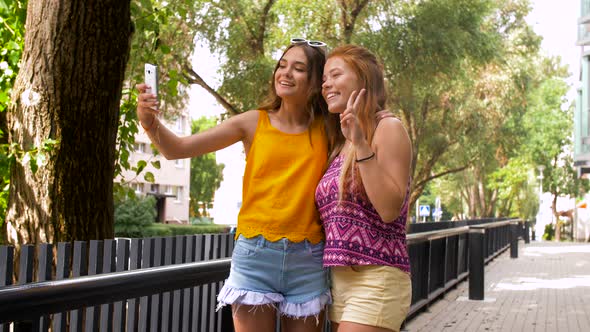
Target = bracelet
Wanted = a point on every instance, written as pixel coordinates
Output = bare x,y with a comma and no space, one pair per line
150,126
365,159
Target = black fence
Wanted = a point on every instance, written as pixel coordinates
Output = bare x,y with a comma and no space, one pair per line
170,284
445,256
125,285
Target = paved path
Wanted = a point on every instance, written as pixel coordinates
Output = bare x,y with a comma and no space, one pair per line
547,288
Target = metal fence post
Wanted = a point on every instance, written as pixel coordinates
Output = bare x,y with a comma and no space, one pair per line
527,228
476,263
514,239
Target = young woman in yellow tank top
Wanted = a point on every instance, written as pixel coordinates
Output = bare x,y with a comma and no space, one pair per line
277,260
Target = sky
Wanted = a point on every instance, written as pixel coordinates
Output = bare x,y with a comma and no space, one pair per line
554,20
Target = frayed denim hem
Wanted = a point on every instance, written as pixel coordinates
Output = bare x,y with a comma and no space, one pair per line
237,297
311,308
230,295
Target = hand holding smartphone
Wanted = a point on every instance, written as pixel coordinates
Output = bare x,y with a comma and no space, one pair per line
151,79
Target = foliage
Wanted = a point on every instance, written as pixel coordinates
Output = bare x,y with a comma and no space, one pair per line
160,27
158,229
481,106
516,187
200,221
206,174
549,232
134,216
549,143
12,30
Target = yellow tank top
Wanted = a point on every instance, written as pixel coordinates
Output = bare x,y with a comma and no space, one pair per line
281,175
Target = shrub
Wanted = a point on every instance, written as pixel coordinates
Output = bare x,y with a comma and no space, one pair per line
549,233
171,229
135,216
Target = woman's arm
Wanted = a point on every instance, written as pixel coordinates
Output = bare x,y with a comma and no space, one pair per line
237,128
385,176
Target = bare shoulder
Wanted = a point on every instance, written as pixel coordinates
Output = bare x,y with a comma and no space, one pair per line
243,121
391,128
247,117
246,123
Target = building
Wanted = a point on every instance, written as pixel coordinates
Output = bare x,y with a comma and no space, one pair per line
582,111
582,122
171,185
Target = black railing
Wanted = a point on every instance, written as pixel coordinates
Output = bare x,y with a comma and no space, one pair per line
442,258
152,284
170,284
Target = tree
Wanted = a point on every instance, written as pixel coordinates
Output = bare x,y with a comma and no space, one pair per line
487,105
13,14
436,58
429,49
552,146
206,173
63,118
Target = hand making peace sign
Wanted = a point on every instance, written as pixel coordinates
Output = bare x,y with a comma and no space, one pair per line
349,121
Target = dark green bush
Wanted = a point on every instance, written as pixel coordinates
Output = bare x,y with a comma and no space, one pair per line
549,233
173,229
134,216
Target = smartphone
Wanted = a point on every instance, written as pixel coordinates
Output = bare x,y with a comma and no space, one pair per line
151,78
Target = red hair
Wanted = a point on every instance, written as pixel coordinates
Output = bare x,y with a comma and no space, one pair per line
369,72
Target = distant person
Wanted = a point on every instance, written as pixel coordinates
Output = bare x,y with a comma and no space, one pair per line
363,199
277,259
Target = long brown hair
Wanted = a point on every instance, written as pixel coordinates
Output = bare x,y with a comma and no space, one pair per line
316,105
369,72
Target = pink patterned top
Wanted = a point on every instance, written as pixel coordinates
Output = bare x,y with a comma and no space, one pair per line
355,233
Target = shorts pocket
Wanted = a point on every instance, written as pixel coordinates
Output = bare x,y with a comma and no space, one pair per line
244,249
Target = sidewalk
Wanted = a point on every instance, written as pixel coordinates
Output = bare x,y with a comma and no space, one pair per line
547,288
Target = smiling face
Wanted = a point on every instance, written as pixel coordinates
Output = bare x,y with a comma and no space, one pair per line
291,76
339,82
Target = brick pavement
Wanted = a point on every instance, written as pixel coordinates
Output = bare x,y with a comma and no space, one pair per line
547,288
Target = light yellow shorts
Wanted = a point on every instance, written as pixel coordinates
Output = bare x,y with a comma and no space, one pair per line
370,295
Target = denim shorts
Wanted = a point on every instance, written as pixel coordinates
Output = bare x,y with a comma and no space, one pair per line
287,275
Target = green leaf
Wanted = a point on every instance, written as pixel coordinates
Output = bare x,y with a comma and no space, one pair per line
165,49
156,164
12,45
130,194
149,177
140,166
33,165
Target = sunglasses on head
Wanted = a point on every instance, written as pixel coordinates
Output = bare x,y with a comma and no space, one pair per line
313,43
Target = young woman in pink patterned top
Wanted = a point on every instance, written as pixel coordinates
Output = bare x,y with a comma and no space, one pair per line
363,198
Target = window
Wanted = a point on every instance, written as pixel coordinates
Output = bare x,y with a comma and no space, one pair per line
179,163
140,147
179,125
137,187
169,190
179,194
154,188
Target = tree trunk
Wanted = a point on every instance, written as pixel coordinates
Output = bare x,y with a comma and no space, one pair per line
68,89
556,215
